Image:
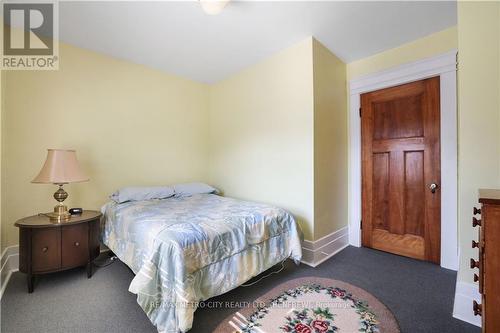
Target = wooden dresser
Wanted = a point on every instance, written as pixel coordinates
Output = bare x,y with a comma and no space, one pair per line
46,246
487,219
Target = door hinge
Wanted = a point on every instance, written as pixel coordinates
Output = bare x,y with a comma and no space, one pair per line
361,224
360,112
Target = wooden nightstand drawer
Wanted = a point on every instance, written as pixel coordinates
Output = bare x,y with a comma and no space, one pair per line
75,249
45,249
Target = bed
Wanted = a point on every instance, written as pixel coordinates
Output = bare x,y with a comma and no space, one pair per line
187,249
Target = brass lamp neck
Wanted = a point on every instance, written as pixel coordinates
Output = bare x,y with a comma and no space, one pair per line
60,195
60,213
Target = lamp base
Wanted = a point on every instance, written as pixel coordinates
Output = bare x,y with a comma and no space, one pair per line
60,214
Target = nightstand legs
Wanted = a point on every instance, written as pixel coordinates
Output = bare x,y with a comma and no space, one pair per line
89,270
31,280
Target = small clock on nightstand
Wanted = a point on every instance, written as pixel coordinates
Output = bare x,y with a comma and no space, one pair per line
47,246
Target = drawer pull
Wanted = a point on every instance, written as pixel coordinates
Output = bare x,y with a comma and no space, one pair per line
45,249
475,244
474,263
477,308
77,244
476,222
476,277
477,211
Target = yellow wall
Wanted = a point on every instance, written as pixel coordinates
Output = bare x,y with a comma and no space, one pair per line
278,134
261,133
2,85
275,132
330,142
437,43
132,125
129,124
479,114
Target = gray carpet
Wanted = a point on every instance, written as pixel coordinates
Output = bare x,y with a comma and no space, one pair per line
419,294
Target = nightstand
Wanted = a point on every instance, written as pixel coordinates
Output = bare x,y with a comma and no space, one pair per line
46,246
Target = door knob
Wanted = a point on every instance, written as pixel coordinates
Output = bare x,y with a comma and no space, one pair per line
433,187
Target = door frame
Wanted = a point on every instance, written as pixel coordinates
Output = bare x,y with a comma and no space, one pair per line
444,66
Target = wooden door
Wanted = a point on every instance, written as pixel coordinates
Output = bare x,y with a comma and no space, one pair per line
401,200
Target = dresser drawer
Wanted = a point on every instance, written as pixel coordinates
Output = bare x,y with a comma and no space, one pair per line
45,249
75,248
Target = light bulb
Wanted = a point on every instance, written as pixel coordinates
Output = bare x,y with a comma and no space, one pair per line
213,7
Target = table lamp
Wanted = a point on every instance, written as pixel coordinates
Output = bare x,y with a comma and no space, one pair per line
61,167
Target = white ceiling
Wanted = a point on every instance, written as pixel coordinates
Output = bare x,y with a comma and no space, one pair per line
179,38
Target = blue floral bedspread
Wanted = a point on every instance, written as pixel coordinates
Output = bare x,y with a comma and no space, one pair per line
188,249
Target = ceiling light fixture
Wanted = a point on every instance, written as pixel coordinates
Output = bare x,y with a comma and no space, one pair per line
213,7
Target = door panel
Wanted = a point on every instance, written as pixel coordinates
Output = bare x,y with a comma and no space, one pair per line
400,159
399,118
404,245
414,193
381,196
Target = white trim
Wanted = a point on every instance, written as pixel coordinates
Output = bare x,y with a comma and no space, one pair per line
449,171
9,265
465,294
414,71
445,66
316,252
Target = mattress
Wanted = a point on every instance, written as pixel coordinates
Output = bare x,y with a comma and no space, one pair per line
188,249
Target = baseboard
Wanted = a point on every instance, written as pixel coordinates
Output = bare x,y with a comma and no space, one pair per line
10,264
316,252
465,294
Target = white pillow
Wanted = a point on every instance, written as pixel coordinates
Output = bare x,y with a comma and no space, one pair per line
188,189
142,193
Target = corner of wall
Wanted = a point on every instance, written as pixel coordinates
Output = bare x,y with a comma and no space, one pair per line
330,142
261,128
145,107
9,263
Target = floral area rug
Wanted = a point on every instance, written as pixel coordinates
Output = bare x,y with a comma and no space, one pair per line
313,305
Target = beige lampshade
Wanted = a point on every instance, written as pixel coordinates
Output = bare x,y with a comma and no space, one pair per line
61,167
